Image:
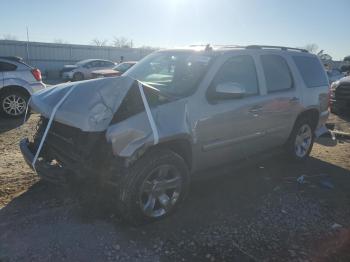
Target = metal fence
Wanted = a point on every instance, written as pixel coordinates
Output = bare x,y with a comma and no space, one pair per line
52,57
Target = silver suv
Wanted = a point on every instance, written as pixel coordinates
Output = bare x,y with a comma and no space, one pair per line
18,81
147,133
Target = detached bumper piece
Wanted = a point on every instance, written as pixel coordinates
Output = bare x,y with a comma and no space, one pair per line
50,172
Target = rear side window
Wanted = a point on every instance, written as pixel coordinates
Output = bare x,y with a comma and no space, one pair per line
107,63
311,71
7,67
277,73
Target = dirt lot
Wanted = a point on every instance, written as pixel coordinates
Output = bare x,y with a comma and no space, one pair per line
254,213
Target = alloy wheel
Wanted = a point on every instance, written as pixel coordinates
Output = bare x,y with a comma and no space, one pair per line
14,105
303,140
160,191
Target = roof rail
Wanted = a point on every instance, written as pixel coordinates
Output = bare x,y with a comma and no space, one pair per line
230,46
12,58
284,48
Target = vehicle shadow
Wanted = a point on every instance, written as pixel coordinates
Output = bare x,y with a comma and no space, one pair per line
344,116
239,206
7,124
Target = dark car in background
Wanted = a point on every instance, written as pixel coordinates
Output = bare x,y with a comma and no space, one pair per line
340,96
83,69
115,71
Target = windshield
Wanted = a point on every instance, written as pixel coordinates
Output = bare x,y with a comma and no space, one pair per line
175,72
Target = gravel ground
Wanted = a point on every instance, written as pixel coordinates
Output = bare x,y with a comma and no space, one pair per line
255,213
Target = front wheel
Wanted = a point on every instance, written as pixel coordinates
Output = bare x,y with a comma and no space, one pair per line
301,140
154,187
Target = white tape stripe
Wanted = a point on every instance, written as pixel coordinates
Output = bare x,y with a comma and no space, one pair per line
25,114
49,124
149,115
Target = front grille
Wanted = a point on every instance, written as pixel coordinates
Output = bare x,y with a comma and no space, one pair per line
68,145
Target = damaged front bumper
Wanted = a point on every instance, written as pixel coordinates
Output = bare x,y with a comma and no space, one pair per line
70,155
51,173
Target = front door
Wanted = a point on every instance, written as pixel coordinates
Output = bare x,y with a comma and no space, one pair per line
227,127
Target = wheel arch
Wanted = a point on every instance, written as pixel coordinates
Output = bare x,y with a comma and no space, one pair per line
181,146
312,114
15,87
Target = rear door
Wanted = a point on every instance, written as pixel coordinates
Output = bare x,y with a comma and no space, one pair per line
281,99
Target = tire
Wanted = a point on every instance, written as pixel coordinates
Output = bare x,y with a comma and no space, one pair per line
301,140
138,190
20,100
78,76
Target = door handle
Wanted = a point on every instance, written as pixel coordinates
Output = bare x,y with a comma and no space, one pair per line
294,100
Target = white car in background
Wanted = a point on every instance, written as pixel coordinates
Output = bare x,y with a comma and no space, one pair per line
83,69
18,81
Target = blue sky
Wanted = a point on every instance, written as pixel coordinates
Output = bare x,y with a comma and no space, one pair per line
169,23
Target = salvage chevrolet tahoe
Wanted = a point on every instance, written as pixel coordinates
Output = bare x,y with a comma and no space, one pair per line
177,112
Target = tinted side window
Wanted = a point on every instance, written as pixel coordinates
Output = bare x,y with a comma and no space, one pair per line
103,64
94,64
311,71
88,65
241,70
277,73
107,63
7,67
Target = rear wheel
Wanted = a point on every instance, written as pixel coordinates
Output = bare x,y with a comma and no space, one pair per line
301,140
13,103
154,187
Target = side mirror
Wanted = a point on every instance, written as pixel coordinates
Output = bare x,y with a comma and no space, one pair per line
229,90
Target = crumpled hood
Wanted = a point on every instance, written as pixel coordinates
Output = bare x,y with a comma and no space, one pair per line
89,107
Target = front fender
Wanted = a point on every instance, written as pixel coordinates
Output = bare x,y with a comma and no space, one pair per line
134,133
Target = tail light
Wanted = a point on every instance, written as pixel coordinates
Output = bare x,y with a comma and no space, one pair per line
37,74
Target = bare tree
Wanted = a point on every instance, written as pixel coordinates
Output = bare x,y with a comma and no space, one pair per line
99,42
312,48
122,42
9,37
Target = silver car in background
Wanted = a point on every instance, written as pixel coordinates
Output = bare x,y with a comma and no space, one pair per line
83,69
18,81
